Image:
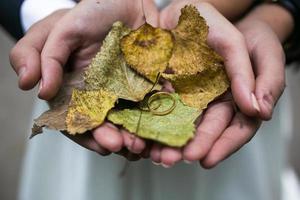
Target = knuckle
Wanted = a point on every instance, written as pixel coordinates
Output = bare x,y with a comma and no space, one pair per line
237,39
14,53
16,56
234,43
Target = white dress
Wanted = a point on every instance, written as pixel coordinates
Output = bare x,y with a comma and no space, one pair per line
55,168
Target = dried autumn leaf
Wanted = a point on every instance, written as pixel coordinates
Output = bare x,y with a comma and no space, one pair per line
109,70
200,89
88,109
198,71
56,116
148,50
174,129
191,54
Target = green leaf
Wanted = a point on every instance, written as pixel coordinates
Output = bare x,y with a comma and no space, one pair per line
109,70
174,129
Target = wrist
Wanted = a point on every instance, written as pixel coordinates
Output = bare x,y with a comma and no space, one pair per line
127,11
232,9
282,23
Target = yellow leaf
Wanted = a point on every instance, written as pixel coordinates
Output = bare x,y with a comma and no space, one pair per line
109,70
148,50
191,54
200,89
88,109
198,74
56,116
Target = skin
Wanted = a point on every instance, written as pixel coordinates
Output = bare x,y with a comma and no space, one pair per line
220,133
41,55
231,9
36,57
267,56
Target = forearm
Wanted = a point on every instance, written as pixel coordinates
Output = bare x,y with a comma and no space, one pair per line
231,9
281,23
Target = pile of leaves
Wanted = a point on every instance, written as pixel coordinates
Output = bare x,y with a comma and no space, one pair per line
121,84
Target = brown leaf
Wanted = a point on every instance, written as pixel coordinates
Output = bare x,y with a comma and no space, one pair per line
191,54
56,116
109,70
148,50
88,109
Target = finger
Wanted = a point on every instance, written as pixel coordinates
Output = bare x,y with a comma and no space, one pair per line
213,123
109,137
134,144
224,38
231,45
241,130
169,15
151,12
55,54
155,153
25,56
87,141
269,62
25,59
170,156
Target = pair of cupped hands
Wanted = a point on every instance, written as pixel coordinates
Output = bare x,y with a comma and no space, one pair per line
253,58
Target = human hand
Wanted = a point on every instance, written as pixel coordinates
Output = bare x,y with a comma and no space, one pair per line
223,130
70,38
268,61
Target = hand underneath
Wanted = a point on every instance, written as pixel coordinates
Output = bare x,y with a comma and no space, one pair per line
71,38
223,129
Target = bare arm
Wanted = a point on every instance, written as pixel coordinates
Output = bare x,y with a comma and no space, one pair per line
231,9
281,23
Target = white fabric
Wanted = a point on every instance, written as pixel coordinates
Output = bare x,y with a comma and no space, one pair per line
35,10
290,185
56,168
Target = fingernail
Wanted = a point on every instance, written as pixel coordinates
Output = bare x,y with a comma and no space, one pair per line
187,161
41,86
21,72
166,166
255,103
156,163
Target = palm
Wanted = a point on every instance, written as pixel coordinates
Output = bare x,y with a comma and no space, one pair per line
69,39
219,133
72,38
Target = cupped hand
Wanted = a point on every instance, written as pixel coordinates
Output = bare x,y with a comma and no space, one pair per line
268,61
71,38
224,128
